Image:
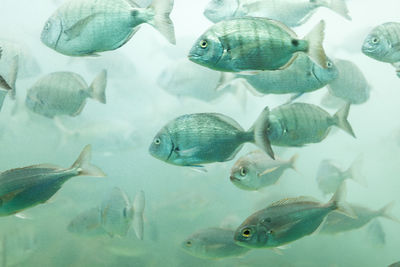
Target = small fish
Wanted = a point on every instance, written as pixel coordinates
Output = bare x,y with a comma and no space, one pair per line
351,84
64,93
194,139
87,223
213,243
27,187
337,223
82,28
117,213
302,76
256,170
298,124
287,220
254,45
292,13
330,176
376,234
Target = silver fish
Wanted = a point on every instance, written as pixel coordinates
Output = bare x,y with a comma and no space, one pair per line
256,170
27,187
351,84
255,44
287,220
302,76
213,243
298,124
80,28
330,176
291,12
194,139
64,93
87,223
337,223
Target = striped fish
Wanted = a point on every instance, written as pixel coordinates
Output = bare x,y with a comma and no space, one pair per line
298,124
255,44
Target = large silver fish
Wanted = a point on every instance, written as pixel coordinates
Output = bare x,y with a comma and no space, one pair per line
194,139
255,44
287,220
213,243
64,93
291,12
256,170
27,187
298,124
86,27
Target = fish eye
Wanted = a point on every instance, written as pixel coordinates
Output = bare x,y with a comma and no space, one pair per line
188,243
157,141
243,171
329,64
203,44
246,232
47,26
375,40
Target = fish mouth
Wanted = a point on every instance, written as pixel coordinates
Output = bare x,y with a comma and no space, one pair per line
194,57
234,179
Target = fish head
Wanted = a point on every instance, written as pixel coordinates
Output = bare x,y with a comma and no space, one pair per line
52,31
207,50
248,235
162,146
193,246
243,174
33,102
376,46
326,74
218,10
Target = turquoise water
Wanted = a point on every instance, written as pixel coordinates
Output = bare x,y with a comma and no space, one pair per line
180,201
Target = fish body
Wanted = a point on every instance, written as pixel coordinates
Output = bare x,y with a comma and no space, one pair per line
87,223
64,93
254,44
256,170
303,75
27,187
298,124
81,28
351,84
285,221
383,43
291,12
194,139
213,243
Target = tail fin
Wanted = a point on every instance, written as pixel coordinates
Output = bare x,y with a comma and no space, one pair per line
315,38
353,172
386,212
161,20
97,89
138,220
340,120
292,162
260,131
83,164
338,203
340,7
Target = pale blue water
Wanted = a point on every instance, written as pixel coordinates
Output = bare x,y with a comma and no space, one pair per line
180,201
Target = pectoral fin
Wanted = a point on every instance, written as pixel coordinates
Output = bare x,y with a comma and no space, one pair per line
76,29
9,196
268,171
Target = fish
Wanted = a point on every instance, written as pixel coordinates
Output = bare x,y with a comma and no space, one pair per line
298,124
87,223
376,234
195,139
351,84
27,187
337,223
85,28
251,45
287,220
213,243
117,213
64,93
330,176
302,76
292,13
256,170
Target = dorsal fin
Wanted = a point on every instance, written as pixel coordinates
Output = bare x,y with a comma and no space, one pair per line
287,201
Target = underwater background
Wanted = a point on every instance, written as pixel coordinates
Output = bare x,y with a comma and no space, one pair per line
179,200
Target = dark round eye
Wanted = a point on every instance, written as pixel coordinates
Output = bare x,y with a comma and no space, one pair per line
246,232
243,171
157,141
375,40
188,243
203,43
329,64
